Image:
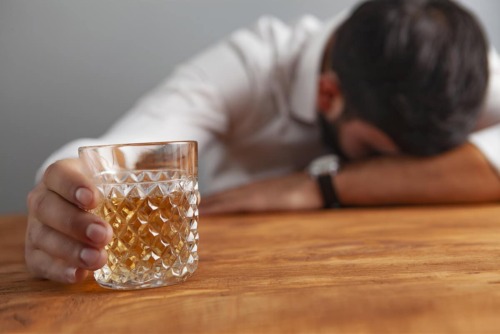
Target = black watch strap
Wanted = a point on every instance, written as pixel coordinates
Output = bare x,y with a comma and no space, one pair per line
330,198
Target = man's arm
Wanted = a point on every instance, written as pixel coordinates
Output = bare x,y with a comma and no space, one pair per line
462,175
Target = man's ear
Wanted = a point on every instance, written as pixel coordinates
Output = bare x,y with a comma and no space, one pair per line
330,101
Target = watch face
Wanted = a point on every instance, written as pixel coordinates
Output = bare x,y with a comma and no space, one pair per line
328,164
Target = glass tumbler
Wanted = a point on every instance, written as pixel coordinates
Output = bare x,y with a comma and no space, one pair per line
149,196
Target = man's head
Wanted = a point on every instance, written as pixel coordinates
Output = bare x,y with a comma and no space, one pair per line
415,69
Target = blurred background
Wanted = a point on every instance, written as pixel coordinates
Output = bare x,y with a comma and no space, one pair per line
69,68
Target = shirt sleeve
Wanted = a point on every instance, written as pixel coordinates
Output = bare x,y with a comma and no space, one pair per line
194,103
487,137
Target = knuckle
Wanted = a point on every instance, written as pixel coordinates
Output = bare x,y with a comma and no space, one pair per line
30,199
49,171
32,268
52,169
36,234
30,238
38,270
37,201
33,196
41,271
33,265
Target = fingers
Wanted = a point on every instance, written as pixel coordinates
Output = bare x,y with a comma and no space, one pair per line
55,270
67,178
52,210
52,255
59,246
63,241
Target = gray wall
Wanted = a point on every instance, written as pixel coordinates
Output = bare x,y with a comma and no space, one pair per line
68,68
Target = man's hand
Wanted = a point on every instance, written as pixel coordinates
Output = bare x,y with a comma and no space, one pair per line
63,240
292,192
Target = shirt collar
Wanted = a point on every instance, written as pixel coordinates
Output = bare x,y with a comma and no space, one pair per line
304,87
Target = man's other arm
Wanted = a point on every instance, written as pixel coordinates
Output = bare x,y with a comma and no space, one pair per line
462,175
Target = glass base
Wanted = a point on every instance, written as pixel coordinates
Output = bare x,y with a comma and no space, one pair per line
135,285
123,278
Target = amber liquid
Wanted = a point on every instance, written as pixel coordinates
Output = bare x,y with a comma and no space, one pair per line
155,234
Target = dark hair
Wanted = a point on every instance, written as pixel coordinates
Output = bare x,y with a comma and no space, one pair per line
416,69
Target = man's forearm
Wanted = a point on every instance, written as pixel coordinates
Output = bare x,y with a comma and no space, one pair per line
462,175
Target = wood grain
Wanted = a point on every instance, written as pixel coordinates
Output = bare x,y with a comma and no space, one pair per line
390,270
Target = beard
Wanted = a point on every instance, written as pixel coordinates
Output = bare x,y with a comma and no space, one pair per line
330,136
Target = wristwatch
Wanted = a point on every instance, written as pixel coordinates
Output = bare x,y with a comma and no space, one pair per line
323,169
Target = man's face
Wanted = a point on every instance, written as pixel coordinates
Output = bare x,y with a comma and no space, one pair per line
351,138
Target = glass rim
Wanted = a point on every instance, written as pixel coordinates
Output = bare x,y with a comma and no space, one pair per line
145,144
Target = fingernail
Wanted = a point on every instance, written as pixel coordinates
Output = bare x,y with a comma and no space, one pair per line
84,196
89,256
70,274
97,233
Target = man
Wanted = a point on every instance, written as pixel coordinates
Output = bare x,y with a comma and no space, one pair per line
395,90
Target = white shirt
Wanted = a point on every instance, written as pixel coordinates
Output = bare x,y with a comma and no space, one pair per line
249,101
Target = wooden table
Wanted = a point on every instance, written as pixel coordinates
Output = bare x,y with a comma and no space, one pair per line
392,270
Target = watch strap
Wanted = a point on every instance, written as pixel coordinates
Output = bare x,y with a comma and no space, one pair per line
330,198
